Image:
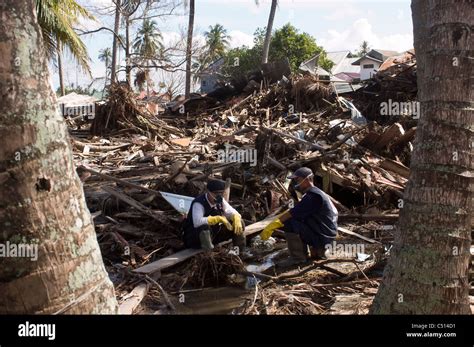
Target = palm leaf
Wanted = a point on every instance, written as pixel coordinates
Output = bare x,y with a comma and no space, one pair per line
56,19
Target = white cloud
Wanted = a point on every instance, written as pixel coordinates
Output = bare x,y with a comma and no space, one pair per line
87,24
361,30
170,38
239,38
344,13
400,15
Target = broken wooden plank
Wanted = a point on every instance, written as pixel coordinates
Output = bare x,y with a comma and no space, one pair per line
392,133
133,299
352,233
183,142
405,138
369,140
258,226
346,137
276,163
312,146
96,148
118,180
369,217
168,261
395,166
128,200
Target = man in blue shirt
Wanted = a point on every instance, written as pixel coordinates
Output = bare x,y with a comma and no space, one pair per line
312,222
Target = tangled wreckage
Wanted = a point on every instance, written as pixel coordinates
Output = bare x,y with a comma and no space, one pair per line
140,172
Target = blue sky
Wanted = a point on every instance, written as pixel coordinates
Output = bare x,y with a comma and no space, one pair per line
335,24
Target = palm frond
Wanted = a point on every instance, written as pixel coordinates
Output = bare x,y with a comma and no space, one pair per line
56,19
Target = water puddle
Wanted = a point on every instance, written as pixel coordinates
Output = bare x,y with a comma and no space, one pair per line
221,300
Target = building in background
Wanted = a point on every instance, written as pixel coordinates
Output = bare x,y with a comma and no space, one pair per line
209,77
371,62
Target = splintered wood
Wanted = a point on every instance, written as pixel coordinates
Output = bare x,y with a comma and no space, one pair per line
251,141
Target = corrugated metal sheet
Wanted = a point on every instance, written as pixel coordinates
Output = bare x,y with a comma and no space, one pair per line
342,88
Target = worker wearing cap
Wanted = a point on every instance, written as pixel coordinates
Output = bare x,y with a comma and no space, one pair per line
208,220
311,222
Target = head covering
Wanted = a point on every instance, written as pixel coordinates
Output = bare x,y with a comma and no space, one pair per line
302,172
215,185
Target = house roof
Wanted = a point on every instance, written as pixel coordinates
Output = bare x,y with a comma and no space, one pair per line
341,64
337,58
379,55
74,99
312,67
403,58
346,66
347,76
342,88
386,53
310,64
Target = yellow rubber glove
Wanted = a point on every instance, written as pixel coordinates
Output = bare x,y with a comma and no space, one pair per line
238,230
213,220
270,228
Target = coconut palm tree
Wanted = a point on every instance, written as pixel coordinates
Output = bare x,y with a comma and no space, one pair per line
268,35
189,46
363,49
148,42
148,45
121,48
428,267
56,19
217,41
113,70
42,201
128,8
105,55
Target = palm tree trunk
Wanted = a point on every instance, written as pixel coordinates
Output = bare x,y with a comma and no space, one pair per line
189,47
115,43
60,69
41,198
128,69
268,35
428,269
147,80
106,75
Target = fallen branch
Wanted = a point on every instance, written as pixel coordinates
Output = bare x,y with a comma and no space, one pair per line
165,296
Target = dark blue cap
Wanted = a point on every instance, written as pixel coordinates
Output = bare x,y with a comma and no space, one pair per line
215,186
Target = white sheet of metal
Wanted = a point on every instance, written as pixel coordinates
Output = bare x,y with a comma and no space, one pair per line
181,203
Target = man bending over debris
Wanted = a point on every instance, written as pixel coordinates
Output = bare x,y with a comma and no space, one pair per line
207,221
313,220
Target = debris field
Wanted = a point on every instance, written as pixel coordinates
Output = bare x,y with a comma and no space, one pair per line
134,164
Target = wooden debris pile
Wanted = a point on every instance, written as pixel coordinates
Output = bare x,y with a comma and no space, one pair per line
122,111
209,269
396,83
312,291
252,142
